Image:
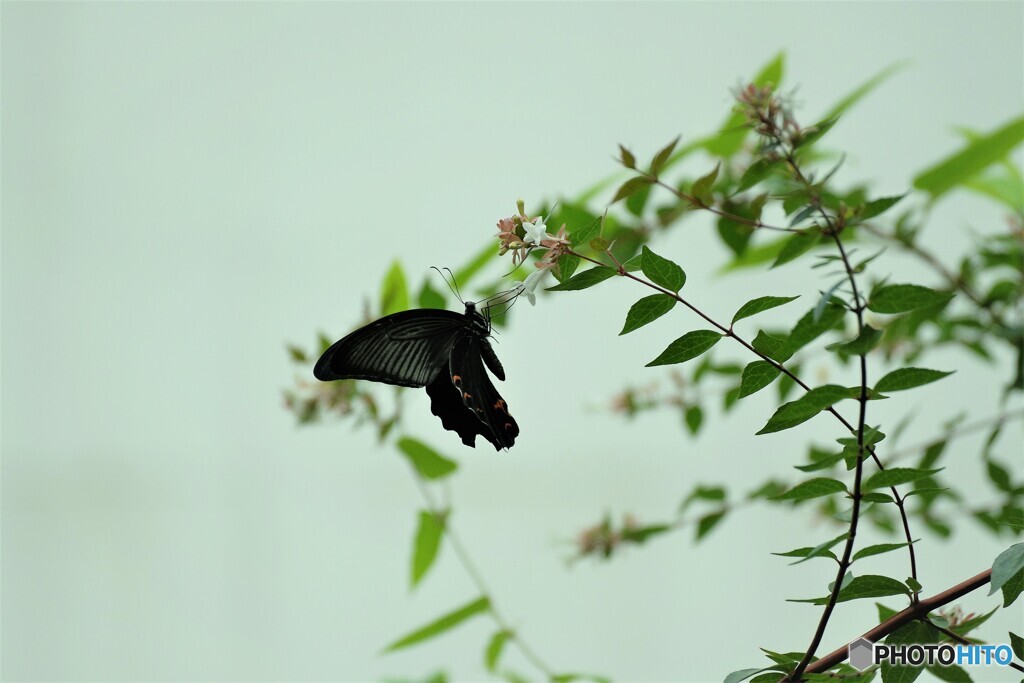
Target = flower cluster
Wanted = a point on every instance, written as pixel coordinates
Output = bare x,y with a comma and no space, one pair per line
521,234
769,114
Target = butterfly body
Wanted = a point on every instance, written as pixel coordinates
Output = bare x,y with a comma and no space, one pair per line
442,350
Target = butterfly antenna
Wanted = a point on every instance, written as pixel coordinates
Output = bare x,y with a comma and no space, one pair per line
455,284
453,290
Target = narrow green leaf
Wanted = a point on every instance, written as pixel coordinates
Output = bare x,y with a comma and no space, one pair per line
630,186
426,544
442,624
394,293
804,408
662,157
849,100
894,476
584,279
661,271
908,378
741,675
817,131
583,235
757,376
877,549
647,310
297,354
867,586
756,172
760,304
708,522
1013,588
428,462
466,273
494,648
701,188
902,298
689,346
863,344
812,488
626,157
879,206
971,159
812,325
800,243
1007,565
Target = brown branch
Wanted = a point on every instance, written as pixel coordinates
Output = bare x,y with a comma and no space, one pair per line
915,611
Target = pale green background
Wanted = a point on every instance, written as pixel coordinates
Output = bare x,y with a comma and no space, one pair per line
187,187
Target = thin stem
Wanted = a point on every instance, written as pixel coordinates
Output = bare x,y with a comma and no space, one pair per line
478,580
743,220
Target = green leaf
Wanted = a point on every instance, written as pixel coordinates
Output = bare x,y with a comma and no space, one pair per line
426,544
661,271
801,242
626,157
760,304
634,184
689,346
466,273
807,406
701,188
1017,645
694,416
817,131
879,206
297,354
429,297
821,550
741,675
1013,588
581,236
756,172
646,310
863,344
908,378
394,293
567,264
584,279
494,648
771,346
814,323
914,632
950,674
442,624
1008,564
813,488
662,157
757,376
894,476
429,463
708,522
877,549
971,159
902,298
849,100
867,586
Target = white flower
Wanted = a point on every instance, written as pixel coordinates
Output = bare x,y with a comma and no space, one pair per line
536,232
529,285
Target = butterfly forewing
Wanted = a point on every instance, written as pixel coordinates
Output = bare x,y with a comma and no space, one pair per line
407,349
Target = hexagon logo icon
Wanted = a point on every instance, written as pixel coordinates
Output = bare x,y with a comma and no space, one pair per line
861,653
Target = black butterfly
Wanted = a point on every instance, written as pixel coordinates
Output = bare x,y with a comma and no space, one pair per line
442,350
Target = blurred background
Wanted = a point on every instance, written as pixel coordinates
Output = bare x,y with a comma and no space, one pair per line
188,188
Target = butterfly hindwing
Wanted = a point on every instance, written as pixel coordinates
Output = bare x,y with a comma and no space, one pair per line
466,400
408,349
